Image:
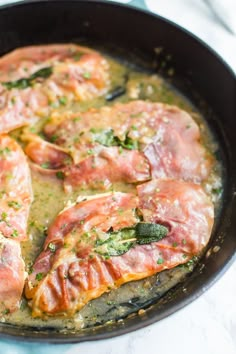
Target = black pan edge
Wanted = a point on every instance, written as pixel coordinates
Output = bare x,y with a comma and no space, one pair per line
137,322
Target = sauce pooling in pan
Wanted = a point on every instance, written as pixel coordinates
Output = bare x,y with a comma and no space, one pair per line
124,184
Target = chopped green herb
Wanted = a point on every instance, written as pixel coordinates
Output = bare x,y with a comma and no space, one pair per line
93,130
30,268
3,216
5,312
15,233
217,191
5,151
60,175
39,276
160,261
76,119
107,138
86,75
45,165
15,205
90,152
174,244
54,104
190,264
62,100
53,138
32,129
111,303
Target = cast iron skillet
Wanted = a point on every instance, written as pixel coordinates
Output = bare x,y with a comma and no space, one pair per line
199,73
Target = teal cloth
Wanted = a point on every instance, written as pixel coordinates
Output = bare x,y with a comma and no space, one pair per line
16,347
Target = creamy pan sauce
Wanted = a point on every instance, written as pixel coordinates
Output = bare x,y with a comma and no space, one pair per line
127,84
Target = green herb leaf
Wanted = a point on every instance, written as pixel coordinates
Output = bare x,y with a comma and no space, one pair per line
217,191
45,165
5,151
62,100
39,276
128,143
5,312
121,241
15,205
87,75
148,232
107,138
60,175
54,138
14,233
23,83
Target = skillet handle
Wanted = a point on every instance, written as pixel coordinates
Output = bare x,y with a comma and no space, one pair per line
139,4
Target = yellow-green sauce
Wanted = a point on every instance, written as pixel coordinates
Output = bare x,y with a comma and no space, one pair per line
50,199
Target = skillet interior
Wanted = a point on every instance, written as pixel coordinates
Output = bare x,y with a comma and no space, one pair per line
134,34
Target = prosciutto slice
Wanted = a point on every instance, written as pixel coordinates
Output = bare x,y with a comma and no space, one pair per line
107,167
102,167
12,274
167,135
70,271
16,197
15,189
35,80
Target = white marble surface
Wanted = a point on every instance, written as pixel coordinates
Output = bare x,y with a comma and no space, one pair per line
208,325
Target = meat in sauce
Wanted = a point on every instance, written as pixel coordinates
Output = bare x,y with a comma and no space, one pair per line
16,197
82,138
74,269
34,80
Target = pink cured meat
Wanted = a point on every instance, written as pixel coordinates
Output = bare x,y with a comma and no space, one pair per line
12,274
16,193
75,273
102,212
107,166
78,74
167,135
46,155
183,207
15,184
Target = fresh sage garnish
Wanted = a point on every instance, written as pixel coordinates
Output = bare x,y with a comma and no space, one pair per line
23,83
107,138
121,241
148,232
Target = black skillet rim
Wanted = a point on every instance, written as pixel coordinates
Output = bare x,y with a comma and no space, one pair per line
31,335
